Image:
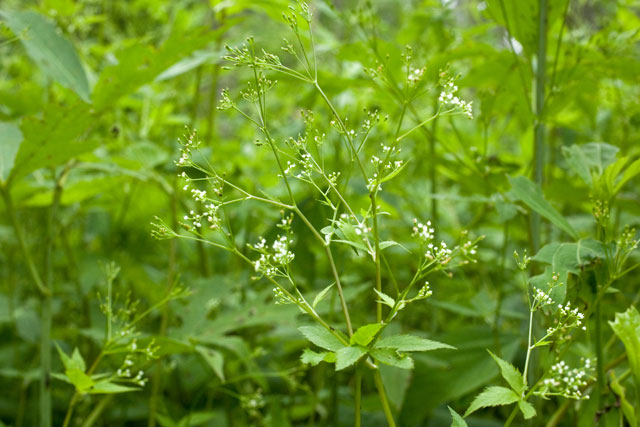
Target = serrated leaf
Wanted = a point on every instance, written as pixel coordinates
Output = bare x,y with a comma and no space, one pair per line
10,139
531,195
48,48
321,337
391,357
81,381
347,356
385,299
527,409
312,358
410,343
510,374
456,419
214,359
74,362
365,334
321,295
492,396
52,138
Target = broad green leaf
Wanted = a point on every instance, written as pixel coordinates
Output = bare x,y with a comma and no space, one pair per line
312,358
569,256
627,328
391,357
456,419
347,356
385,299
321,295
52,138
365,334
527,409
590,159
10,139
108,387
510,374
531,195
214,359
48,48
139,64
492,396
321,337
410,343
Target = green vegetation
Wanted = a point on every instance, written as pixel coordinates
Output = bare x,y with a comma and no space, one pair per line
274,213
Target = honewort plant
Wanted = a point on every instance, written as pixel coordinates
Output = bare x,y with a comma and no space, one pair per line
302,165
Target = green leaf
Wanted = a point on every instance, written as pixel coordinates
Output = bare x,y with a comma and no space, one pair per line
627,408
81,381
385,299
48,48
393,173
139,64
321,337
107,387
74,362
527,409
410,343
312,358
629,173
214,359
492,396
456,419
321,295
347,356
50,139
510,374
10,139
365,334
627,328
531,195
570,257
391,357
590,159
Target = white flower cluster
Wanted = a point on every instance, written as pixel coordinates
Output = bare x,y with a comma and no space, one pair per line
441,254
424,232
570,317
210,215
541,298
567,382
271,259
425,291
449,97
280,297
415,75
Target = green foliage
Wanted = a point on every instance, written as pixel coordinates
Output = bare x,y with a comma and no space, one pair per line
337,219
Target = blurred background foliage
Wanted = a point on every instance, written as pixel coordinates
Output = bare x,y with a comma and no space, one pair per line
94,95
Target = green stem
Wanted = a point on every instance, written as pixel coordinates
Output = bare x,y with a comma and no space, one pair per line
358,397
539,126
376,242
383,398
599,353
529,347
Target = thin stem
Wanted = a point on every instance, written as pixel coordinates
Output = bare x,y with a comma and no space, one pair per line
376,242
529,347
383,398
358,397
